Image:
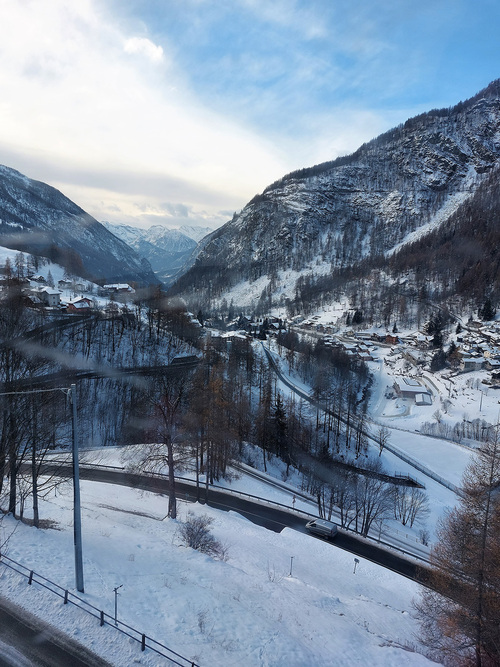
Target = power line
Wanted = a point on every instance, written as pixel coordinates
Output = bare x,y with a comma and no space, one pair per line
35,391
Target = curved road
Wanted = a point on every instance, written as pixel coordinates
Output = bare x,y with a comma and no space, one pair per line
269,517
43,646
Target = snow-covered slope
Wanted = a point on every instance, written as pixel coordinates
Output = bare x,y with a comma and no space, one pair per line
257,608
360,207
39,219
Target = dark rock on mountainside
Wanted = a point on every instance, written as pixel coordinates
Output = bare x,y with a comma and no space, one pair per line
36,218
356,209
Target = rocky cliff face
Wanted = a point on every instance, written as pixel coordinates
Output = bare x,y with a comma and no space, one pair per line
38,219
391,190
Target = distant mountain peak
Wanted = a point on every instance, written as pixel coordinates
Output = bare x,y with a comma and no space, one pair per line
165,249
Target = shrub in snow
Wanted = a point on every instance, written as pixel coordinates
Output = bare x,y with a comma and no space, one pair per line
195,533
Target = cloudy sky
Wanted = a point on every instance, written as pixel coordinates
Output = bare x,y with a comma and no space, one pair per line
180,111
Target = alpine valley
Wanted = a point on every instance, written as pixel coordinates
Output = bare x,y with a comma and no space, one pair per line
38,219
167,250
410,218
239,379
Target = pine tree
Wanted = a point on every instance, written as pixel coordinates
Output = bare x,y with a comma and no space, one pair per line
487,312
280,429
460,613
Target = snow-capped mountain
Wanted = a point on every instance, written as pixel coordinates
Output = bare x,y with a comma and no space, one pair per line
361,208
166,250
38,219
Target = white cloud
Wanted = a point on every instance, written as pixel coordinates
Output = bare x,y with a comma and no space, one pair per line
75,100
145,47
98,105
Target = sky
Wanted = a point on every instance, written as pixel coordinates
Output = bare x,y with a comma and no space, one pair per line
178,112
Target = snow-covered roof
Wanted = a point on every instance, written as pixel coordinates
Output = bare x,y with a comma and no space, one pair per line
410,382
119,287
79,304
423,399
77,299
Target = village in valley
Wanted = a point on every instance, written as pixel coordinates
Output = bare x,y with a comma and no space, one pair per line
442,378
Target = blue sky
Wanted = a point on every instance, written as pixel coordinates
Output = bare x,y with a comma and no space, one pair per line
179,111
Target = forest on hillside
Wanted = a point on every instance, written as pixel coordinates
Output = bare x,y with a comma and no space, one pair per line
147,375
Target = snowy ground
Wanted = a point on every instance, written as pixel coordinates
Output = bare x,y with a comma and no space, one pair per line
443,458
57,272
248,610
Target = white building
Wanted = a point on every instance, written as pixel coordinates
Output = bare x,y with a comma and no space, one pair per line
50,297
408,387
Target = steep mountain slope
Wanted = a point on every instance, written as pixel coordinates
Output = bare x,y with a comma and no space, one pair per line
38,219
358,208
461,255
166,250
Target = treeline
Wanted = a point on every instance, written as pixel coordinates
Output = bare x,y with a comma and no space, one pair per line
29,422
118,351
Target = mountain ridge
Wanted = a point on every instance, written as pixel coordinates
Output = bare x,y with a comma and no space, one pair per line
38,219
353,209
167,250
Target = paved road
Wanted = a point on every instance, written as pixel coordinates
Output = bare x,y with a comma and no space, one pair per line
67,376
38,644
261,514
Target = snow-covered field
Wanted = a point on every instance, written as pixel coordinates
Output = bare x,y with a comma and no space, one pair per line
247,611
444,459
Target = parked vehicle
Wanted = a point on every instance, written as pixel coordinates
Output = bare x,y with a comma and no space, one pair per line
323,528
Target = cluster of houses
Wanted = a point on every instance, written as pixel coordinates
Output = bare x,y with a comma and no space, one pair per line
45,296
50,297
477,347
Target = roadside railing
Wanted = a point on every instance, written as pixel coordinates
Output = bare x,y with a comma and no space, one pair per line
104,619
374,534
398,537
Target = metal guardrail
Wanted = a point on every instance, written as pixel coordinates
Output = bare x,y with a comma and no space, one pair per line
273,503
304,513
103,618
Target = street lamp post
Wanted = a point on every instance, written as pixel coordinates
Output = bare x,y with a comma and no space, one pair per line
116,602
77,515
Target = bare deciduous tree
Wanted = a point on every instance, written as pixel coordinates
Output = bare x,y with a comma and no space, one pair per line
383,435
165,450
410,505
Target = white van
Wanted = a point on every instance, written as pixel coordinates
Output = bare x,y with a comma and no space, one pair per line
322,527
